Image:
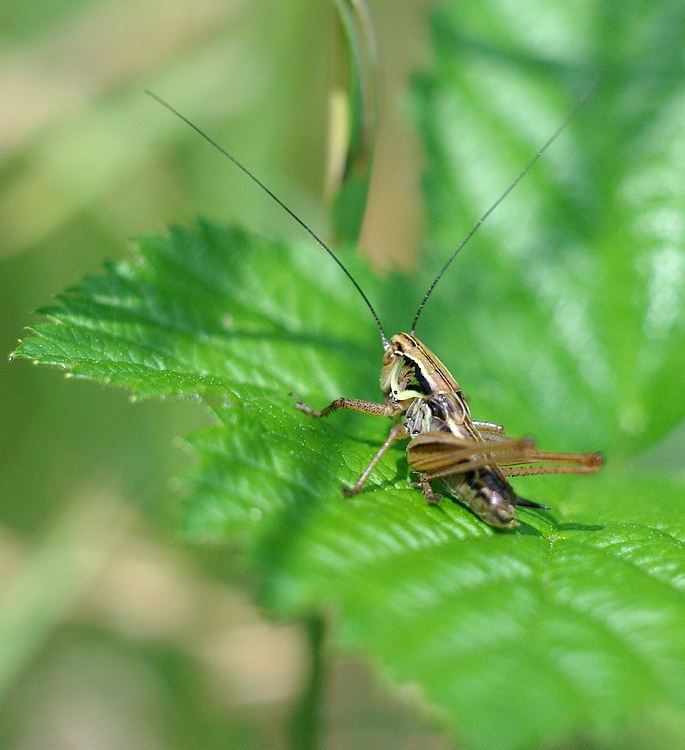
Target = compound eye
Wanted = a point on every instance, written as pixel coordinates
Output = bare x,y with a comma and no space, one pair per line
388,357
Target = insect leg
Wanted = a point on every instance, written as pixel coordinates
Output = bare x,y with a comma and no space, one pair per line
353,404
432,498
558,463
490,431
387,409
567,463
398,432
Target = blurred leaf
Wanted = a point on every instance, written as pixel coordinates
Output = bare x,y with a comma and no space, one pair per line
572,293
62,567
350,202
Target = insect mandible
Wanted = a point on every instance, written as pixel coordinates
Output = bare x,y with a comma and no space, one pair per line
471,459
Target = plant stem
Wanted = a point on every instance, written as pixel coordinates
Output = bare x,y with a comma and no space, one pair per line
305,723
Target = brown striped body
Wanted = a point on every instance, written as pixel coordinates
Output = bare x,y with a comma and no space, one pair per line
433,401
471,459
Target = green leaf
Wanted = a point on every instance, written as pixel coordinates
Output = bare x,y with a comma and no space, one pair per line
564,318
564,614
359,123
193,317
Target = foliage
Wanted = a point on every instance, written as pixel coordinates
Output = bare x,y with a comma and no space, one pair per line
563,318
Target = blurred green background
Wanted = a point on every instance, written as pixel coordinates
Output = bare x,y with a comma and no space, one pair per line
112,635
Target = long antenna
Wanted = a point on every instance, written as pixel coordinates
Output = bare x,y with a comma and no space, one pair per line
521,175
321,243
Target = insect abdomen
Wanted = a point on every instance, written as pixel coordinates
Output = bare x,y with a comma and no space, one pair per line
487,493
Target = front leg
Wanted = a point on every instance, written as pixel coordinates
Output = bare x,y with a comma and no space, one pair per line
386,409
398,432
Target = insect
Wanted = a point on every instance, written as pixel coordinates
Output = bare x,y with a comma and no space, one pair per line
471,459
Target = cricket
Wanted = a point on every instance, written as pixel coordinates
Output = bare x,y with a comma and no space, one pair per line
470,459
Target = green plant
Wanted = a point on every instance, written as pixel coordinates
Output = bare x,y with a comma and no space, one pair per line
563,318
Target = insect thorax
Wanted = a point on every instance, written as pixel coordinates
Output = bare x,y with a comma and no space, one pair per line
411,370
414,377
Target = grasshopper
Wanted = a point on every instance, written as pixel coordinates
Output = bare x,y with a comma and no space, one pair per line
471,459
